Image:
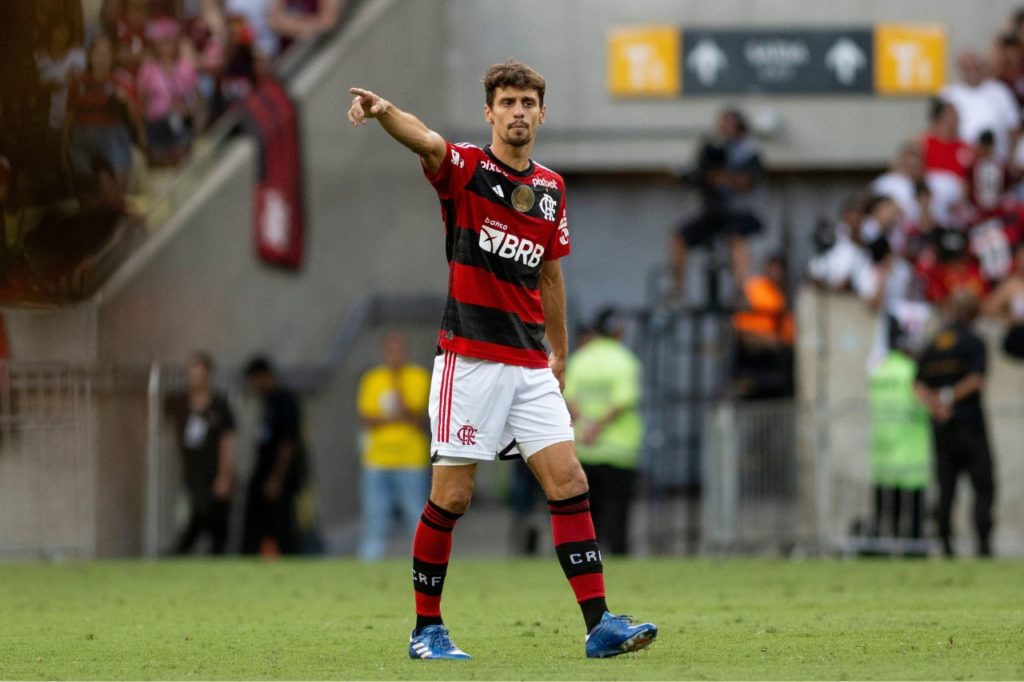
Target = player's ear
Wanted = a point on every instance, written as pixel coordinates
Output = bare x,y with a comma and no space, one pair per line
487,114
543,112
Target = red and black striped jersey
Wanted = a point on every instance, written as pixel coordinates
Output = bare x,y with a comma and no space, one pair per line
500,225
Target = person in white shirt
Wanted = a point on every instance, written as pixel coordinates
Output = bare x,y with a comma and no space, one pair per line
58,64
984,103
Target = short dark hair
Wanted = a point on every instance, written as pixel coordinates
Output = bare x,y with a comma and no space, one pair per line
778,258
936,107
258,365
607,322
875,201
513,74
987,138
739,118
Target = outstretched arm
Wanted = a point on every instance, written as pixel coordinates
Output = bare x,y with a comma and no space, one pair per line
552,298
402,126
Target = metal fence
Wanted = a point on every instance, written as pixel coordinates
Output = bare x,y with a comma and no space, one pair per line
752,499
89,466
47,462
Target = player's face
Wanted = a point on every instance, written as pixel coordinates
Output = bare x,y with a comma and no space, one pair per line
514,115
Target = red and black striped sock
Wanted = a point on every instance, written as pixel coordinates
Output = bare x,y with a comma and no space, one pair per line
431,547
576,546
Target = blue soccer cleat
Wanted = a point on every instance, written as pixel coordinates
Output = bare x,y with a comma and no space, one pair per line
616,635
434,641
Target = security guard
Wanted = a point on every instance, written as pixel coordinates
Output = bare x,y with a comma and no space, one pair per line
900,442
950,377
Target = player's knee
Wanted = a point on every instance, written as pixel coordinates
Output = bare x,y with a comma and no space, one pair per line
570,484
455,499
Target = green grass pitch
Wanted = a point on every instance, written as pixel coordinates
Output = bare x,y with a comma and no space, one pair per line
337,619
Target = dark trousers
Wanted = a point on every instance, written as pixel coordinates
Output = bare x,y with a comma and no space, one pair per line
207,517
899,512
611,495
274,520
963,447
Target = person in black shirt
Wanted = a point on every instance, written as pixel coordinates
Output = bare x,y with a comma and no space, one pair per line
270,520
950,378
728,172
206,429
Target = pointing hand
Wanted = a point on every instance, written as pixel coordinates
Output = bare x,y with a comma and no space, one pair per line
365,105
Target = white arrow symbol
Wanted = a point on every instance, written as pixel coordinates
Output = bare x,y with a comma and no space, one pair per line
707,60
845,58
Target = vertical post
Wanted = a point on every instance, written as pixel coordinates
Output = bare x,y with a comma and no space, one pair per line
88,433
151,539
729,473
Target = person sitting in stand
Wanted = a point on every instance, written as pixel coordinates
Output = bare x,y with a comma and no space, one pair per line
728,173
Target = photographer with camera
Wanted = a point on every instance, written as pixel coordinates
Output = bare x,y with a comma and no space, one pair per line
728,174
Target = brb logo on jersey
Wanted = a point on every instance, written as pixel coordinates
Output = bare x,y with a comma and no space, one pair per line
494,238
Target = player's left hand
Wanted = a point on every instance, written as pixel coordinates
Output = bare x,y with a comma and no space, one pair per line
557,365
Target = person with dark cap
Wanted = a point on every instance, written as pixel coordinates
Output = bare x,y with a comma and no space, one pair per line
602,389
270,517
950,379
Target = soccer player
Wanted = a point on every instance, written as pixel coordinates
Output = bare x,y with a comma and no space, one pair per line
495,388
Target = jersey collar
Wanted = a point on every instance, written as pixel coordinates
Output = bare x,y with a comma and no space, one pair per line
509,169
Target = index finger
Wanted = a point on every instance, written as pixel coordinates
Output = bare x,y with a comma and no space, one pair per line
360,92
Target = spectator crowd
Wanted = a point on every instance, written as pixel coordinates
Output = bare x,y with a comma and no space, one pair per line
948,214
97,92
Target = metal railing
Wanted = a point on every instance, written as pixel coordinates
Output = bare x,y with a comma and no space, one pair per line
47,464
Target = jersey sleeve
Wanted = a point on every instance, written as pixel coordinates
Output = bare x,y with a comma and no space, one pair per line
367,401
976,361
418,390
559,245
456,169
626,393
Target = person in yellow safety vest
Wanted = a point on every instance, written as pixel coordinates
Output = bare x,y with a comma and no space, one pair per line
602,389
900,444
765,333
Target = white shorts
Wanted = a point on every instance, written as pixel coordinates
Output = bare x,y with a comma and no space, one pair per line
481,409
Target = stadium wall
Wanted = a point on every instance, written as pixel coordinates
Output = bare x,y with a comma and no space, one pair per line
835,339
589,130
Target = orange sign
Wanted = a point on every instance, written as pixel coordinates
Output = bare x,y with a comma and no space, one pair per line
643,61
910,59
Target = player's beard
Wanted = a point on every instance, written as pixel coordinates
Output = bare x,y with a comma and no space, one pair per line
519,141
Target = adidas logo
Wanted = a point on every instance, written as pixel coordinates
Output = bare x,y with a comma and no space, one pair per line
499,191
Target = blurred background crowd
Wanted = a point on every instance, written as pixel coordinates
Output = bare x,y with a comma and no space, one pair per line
103,100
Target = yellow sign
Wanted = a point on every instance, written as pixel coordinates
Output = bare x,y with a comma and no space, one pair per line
910,59
643,61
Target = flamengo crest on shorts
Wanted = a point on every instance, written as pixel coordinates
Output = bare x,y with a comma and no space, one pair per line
500,226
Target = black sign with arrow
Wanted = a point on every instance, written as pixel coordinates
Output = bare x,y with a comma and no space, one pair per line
798,61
